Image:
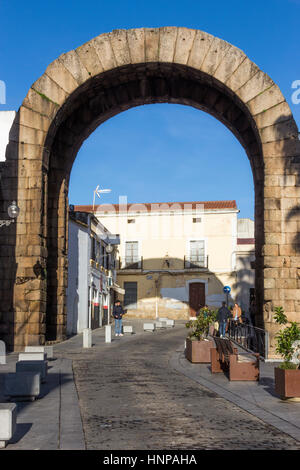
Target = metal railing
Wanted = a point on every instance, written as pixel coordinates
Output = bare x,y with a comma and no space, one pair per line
129,263
249,337
196,262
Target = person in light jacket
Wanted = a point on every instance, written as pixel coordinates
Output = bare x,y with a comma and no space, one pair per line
237,313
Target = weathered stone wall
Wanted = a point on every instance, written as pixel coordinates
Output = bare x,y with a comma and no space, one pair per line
86,86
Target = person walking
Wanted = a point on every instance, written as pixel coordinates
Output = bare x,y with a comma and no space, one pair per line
222,317
118,313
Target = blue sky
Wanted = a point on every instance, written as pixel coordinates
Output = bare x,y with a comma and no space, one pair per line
157,152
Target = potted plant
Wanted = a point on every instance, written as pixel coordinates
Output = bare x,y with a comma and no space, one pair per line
197,344
287,375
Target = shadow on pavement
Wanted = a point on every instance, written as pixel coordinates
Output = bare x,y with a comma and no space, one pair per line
21,430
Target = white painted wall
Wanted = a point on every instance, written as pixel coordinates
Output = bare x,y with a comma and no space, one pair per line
77,291
6,120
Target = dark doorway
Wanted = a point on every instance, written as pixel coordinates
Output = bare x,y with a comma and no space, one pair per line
196,297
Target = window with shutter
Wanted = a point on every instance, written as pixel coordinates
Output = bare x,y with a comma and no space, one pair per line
197,253
131,253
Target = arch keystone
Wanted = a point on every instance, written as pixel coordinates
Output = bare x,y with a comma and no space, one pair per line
167,41
151,44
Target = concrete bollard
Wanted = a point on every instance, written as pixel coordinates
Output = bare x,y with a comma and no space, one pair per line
87,338
32,356
22,386
170,323
160,324
108,333
40,349
2,353
8,422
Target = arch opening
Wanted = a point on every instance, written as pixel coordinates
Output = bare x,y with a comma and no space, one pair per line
105,96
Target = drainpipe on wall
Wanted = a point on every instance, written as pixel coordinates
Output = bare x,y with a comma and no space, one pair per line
156,298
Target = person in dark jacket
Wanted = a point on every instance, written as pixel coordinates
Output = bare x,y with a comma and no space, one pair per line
222,317
118,313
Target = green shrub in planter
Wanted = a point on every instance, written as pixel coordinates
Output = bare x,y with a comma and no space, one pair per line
200,326
288,341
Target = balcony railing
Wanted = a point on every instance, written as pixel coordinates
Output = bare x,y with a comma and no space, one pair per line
129,263
196,262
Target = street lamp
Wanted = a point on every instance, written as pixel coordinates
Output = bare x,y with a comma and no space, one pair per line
109,248
13,212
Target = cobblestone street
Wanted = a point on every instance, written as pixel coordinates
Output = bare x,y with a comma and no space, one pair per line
131,398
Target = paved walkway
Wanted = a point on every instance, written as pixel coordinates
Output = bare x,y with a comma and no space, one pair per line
139,392
53,421
257,398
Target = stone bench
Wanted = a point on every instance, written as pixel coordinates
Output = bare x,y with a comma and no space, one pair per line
33,356
2,353
160,324
39,367
240,365
22,386
149,326
8,422
40,349
169,323
127,329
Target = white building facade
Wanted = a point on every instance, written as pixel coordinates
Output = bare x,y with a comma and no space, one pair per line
91,274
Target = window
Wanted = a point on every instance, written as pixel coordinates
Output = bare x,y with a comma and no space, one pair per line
131,252
93,248
102,254
197,253
130,297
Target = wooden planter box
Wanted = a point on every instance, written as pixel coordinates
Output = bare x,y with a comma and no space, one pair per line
198,351
287,383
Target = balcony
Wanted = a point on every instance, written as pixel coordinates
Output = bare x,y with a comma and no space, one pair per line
196,263
130,263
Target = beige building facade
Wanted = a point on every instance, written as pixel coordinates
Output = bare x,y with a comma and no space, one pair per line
174,258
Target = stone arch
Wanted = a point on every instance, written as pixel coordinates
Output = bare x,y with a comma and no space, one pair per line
109,74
